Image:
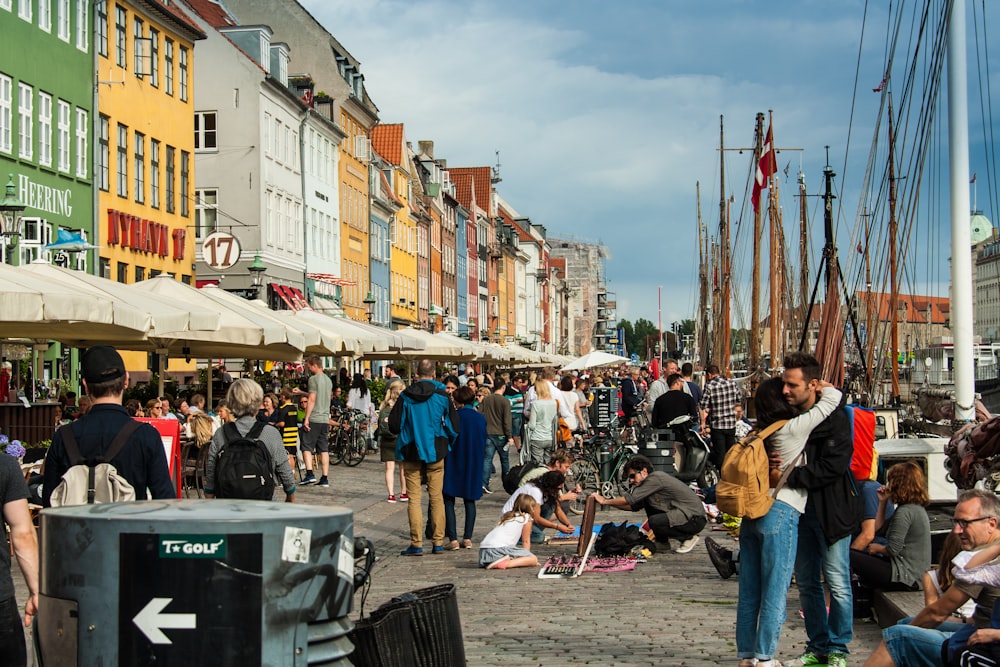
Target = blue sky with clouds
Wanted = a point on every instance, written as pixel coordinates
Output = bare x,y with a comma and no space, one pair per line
606,114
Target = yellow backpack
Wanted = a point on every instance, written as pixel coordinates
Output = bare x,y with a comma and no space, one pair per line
744,488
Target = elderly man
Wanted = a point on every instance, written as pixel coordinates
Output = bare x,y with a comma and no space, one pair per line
919,643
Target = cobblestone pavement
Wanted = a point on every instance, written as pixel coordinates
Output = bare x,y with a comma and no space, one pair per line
672,610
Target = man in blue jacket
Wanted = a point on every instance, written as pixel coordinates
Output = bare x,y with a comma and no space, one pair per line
426,423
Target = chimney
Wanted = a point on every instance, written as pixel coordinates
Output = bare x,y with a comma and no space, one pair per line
427,148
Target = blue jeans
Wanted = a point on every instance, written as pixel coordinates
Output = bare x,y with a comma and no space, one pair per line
495,444
917,647
828,633
450,529
546,511
12,648
767,554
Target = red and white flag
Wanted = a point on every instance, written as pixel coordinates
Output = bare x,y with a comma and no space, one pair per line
766,168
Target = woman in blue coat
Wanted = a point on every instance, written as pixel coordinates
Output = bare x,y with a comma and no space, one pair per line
463,469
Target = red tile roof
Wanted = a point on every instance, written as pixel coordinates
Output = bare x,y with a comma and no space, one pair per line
212,12
387,140
480,188
916,307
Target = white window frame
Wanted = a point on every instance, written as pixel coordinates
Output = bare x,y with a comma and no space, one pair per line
206,208
45,15
205,140
139,167
6,113
101,27
44,129
121,36
121,160
103,174
183,76
138,46
168,66
82,9
154,173
154,57
62,20
62,136
82,154
5,4
24,9
26,121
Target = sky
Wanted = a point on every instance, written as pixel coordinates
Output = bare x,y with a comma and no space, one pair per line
606,115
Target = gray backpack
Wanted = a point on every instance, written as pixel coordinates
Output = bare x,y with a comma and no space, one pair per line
93,481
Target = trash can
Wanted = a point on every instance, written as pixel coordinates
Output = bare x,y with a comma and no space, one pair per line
435,625
384,640
188,582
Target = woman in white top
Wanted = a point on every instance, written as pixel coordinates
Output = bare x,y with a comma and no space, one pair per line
540,429
359,398
768,544
572,401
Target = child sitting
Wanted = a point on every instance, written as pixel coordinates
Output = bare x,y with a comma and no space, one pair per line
499,550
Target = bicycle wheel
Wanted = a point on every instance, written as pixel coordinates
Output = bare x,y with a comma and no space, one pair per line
354,450
585,474
336,441
709,477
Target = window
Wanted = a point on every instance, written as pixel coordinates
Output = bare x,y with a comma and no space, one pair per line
184,74
45,15
82,156
122,160
185,183
154,173
206,211
62,141
104,268
101,27
140,273
25,123
44,129
82,25
120,36
138,47
24,9
168,65
139,167
6,119
154,58
62,19
169,187
122,272
205,129
103,154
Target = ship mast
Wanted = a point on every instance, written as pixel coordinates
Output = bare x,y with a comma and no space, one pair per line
803,254
893,279
704,330
776,271
723,275
755,261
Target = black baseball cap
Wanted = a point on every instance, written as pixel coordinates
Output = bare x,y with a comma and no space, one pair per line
101,363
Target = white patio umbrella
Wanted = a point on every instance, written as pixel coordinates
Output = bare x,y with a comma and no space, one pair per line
361,341
436,347
595,359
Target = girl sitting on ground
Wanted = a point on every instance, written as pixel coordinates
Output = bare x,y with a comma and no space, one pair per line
499,550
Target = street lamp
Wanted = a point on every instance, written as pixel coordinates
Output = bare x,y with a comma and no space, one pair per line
369,301
257,269
11,209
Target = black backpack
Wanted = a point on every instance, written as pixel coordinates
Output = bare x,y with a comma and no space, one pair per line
244,468
512,480
619,540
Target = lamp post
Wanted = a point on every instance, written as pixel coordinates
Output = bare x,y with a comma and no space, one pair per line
369,301
257,269
11,209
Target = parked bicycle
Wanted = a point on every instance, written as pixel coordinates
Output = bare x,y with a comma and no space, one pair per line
347,438
600,468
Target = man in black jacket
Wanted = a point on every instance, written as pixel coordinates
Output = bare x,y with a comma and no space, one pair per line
833,512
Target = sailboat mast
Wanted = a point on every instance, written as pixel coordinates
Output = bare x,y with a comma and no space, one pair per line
722,358
961,233
755,260
775,266
803,253
893,280
704,331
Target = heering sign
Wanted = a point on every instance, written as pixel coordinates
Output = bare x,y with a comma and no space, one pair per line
177,603
192,546
45,198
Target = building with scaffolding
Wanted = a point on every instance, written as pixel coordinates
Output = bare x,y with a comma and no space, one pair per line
591,306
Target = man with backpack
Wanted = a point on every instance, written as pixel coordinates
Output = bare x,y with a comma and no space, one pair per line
140,458
247,456
833,512
672,508
426,421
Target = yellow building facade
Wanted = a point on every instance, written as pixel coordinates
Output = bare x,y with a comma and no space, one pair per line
145,142
354,211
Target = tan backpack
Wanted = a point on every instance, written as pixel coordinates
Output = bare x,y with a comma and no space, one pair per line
744,488
93,481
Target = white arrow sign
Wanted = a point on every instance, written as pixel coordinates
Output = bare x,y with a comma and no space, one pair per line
151,620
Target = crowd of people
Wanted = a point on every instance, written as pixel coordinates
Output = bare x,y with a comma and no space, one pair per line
448,435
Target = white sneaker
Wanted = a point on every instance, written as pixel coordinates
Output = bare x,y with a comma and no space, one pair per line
687,545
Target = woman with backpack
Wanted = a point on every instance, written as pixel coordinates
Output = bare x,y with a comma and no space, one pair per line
240,445
768,543
387,442
360,399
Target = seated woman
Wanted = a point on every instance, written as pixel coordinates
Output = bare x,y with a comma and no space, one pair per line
545,490
901,562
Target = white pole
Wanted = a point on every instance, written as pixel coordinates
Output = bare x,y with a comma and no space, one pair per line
961,238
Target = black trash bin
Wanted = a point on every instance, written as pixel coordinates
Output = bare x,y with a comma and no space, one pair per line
435,625
384,639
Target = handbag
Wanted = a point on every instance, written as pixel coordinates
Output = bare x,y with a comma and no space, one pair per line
563,431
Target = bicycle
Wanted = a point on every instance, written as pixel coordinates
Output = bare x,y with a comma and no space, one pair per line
347,441
585,472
